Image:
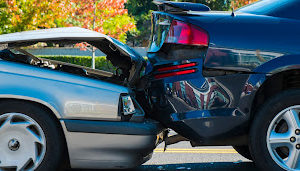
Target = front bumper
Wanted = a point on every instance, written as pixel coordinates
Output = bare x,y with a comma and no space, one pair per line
111,145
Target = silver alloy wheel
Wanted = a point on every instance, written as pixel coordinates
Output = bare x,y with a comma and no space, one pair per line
283,138
22,142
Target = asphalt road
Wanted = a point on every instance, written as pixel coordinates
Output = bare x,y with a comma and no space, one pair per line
182,156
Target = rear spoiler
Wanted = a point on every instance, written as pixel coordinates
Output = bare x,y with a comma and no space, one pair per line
169,6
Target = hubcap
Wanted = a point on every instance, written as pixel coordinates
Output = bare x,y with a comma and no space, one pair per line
14,144
22,142
283,138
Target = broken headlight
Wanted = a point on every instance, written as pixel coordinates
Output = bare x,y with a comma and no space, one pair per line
128,105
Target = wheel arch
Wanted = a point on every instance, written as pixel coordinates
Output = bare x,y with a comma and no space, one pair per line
40,102
284,80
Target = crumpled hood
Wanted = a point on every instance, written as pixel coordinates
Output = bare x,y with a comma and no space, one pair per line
119,54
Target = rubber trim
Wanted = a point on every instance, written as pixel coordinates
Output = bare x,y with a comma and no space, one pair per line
113,127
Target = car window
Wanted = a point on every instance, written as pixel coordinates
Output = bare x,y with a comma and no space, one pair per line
276,8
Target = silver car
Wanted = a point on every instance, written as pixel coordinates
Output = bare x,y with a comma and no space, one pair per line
54,114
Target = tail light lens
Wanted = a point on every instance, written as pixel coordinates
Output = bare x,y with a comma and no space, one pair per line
176,67
169,70
187,34
158,76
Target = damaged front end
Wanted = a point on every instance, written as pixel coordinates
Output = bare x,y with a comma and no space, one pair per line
122,75
128,64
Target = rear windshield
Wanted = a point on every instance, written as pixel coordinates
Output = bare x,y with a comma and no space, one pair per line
276,8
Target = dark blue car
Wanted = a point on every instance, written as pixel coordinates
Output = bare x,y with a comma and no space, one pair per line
228,78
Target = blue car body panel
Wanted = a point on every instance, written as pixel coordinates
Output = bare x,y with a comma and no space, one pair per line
214,105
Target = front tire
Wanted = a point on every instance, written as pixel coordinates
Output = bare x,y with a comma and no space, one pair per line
30,138
275,133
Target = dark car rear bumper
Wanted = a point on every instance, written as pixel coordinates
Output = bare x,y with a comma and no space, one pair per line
102,144
212,127
204,110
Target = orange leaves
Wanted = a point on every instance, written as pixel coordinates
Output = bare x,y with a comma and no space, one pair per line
82,46
110,16
239,3
33,14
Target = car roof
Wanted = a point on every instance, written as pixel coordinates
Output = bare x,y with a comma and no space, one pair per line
65,33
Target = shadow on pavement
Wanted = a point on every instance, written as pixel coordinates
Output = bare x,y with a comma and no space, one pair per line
245,166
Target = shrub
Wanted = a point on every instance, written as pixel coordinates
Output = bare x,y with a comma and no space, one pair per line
100,62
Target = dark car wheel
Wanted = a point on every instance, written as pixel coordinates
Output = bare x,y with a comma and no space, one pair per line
275,133
244,151
30,138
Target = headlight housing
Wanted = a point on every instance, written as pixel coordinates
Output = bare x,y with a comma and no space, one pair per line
128,105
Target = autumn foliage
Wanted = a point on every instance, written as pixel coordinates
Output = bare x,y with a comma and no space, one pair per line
19,15
111,17
239,3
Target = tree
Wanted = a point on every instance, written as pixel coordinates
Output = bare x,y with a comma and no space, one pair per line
110,17
141,10
21,15
239,3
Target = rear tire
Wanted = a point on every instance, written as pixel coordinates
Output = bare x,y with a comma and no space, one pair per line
29,126
271,132
243,151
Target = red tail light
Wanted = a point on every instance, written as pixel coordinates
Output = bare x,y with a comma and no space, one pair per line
176,67
188,34
175,73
